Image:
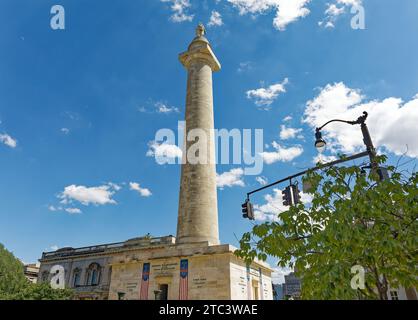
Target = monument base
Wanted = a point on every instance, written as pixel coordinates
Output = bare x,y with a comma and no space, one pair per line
193,271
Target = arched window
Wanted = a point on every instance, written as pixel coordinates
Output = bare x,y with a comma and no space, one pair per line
76,277
93,274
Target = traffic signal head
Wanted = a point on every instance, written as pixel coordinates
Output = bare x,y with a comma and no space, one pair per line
287,196
296,194
247,210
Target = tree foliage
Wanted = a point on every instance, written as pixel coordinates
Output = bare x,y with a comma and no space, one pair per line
353,219
15,286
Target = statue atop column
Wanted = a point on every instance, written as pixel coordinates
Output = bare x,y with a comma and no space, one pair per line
200,30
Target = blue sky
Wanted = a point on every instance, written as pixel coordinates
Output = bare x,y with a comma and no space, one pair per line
79,107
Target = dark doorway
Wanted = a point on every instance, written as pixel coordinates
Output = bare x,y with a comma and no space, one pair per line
164,292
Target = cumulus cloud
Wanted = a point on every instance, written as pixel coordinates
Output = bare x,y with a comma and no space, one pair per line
287,11
164,150
8,140
158,107
101,195
288,133
53,208
231,178
277,276
262,180
68,210
320,158
264,97
180,10
281,154
164,108
335,10
392,122
215,19
273,205
143,192
73,210
65,130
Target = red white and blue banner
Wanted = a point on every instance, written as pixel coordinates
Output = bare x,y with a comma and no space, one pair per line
145,282
184,279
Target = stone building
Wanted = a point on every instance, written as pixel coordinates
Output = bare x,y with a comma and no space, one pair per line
194,265
292,286
31,272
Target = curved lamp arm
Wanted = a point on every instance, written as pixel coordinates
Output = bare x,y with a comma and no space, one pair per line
360,120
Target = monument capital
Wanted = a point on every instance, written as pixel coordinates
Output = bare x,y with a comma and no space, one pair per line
200,49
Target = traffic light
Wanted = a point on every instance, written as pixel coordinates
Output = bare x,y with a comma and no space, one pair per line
296,194
247,210
291,195
287,196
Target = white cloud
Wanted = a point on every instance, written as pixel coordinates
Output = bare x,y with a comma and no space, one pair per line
164,108
158,107
288,133
73,210
270,210
8,140
262,180
164,150
54,209
287,119
179,9
215,19
231,178
54,247
94,195
392,123
273,206
277,276
144,192
281,154
323,158
264,97
335,10
245,66
114,186
68,210
65,130
287,11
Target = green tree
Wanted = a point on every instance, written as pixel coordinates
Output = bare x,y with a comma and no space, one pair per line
12,278
353,220
15,286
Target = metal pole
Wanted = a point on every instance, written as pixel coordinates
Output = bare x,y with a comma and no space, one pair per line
369,145
330,164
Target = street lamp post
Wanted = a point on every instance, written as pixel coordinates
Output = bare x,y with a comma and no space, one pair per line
320,142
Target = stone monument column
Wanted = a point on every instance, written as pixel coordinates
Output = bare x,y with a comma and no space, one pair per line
198,205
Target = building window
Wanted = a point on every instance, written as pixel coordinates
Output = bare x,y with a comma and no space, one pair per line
93,275
394,295
76,278
45,276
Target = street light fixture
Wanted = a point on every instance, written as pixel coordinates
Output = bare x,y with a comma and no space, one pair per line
320,142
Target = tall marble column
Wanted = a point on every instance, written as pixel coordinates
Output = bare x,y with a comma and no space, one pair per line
198,205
